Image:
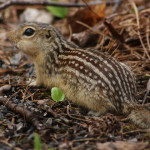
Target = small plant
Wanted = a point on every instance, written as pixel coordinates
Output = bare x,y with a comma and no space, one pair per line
37,142
60,12
57,94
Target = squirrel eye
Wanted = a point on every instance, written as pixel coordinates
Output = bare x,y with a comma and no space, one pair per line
29,32
48,35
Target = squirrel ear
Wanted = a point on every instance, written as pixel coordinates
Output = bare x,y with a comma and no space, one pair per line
48,35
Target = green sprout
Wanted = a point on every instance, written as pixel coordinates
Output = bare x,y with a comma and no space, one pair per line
57,94
37,142
59,12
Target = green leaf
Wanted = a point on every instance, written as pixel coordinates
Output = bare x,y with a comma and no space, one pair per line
60,12
57,94
37,142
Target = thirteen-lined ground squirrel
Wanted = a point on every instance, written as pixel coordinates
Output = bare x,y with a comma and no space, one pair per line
86,76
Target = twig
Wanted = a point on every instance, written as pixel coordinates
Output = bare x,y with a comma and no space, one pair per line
147,92
12,96
94,30
135,131
10,145
4,89
48,109
28,115
46,3
113,31
69,115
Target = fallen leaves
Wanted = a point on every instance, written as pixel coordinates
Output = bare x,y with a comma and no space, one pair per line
86,16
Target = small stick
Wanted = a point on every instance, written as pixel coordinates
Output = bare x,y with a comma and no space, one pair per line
113,31
46,3
28,115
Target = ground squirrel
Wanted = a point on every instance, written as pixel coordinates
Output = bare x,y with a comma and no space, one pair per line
87,76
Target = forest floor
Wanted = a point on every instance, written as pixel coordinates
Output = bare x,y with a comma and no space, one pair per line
121,29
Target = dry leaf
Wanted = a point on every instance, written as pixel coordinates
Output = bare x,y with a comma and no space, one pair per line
89,16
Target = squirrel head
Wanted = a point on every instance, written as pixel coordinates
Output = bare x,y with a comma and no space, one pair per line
34,39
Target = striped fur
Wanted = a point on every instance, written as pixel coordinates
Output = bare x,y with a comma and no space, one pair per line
87,77
113,77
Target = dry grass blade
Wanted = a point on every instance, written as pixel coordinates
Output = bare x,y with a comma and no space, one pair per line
147,35
114,33
147,92
138,25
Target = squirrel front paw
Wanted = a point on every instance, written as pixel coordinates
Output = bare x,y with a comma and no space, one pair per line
32,82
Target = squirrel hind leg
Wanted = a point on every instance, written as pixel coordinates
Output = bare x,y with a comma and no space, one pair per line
33,83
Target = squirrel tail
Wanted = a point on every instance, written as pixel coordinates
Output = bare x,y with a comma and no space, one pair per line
140,115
